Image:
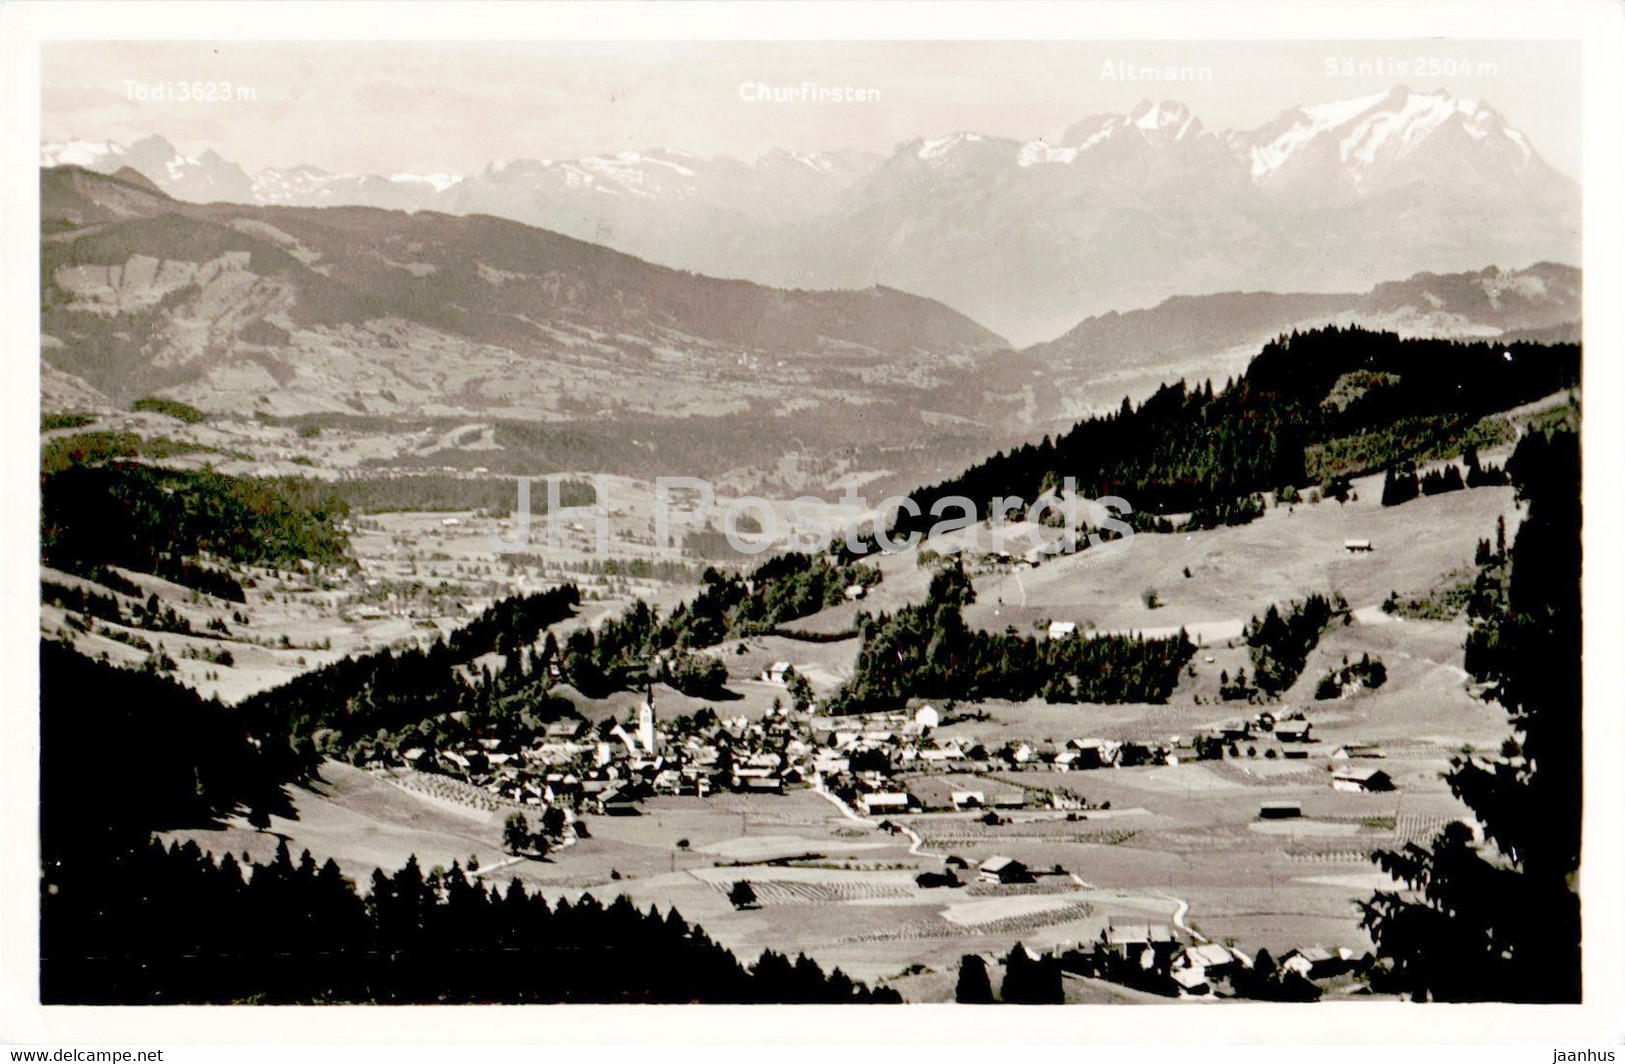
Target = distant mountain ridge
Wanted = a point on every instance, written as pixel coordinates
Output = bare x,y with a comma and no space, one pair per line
1026,237
278,309
1103,358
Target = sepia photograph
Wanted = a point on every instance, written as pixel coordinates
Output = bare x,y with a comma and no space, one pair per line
854,515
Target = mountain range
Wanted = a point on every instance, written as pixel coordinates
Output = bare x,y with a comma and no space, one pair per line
357,312
362,313
1027,238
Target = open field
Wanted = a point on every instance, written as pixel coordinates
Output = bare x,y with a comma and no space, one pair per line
1236,573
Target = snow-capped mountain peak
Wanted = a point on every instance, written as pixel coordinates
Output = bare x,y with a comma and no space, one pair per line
1368,136
941,146
90,154
1162,122
438,182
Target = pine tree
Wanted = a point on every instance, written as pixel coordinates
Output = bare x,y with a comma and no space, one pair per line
974,988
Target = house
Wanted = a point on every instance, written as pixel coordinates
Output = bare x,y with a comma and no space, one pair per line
1062,629
566,729
1362,780
1003,870
619,803
926,717
1192,981
855,591
1214,960
1358,546
1280,811
1316,962
1148,945
969,799
1293,731
882,801
778,673
1094,753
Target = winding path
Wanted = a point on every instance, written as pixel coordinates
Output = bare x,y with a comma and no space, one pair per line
916,846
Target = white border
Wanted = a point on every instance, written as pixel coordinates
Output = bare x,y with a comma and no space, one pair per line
1597,24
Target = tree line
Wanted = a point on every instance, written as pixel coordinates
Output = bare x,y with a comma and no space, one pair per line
158,925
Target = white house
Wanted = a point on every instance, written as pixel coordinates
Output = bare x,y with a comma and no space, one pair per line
888,802
1062,629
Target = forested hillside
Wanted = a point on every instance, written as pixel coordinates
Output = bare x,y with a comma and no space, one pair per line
158,520
1190,449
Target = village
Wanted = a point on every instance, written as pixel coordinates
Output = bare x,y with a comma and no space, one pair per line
898,774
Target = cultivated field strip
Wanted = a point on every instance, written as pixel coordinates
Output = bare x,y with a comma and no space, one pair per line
452,790
938,927
1235,773
947,837
1419,828
1324,857
1418,750
1061,885
795,892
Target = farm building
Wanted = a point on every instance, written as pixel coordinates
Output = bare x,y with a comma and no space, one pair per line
1358,546
1212,959
1148,945
1362,780
888,802
619,803
777,673
1003,870
1357,750
1062,629
1293,731
1192,981
1094,753
1280,811
1316,962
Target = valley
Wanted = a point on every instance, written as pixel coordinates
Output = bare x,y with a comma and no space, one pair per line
1302,435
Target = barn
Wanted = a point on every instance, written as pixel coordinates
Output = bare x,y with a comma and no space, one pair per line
1362,780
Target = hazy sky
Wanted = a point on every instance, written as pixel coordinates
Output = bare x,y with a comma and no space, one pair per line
389,108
